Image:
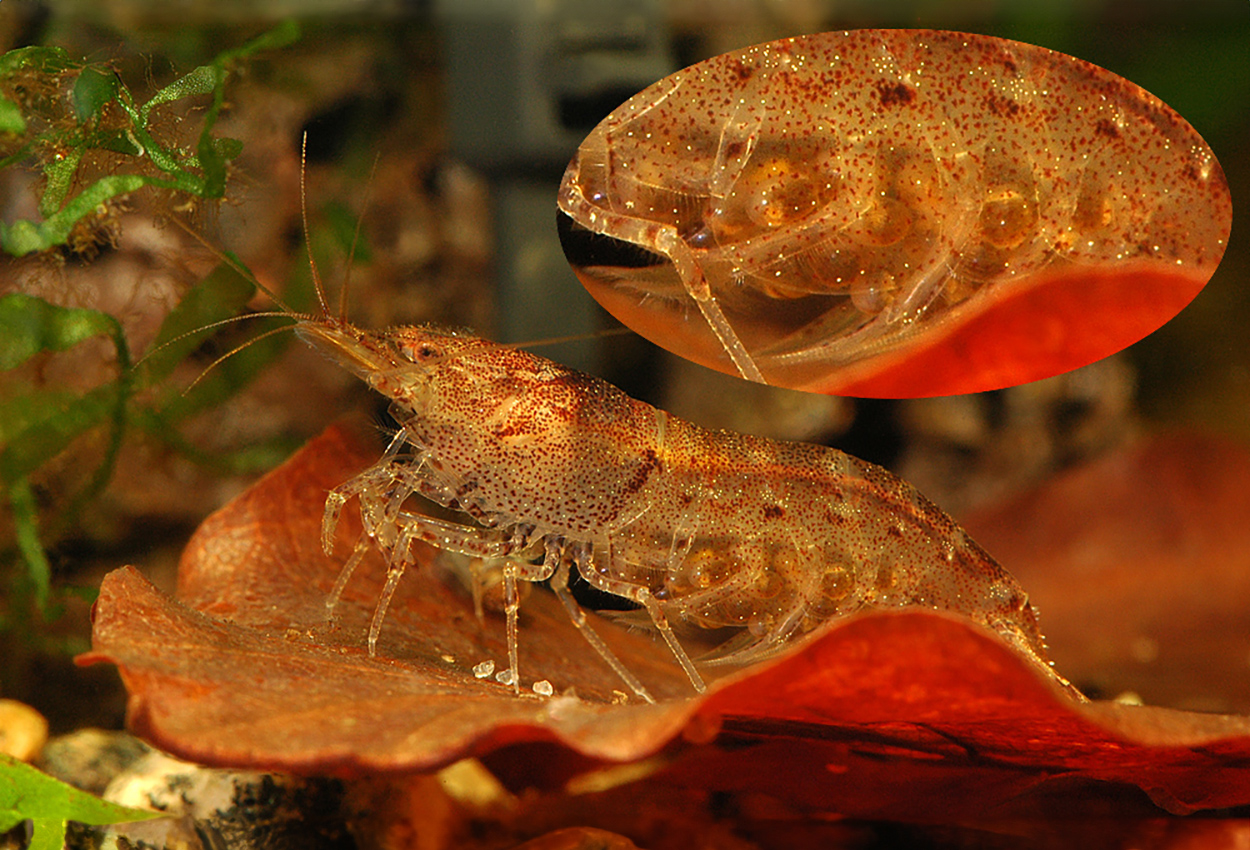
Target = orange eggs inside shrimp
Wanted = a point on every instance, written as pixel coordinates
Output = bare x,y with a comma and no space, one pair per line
800,212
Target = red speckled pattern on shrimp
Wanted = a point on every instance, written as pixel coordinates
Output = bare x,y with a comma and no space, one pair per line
827,198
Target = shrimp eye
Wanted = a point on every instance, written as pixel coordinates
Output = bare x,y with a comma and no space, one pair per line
420,352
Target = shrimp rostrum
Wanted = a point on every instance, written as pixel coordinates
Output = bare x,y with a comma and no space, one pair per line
553,469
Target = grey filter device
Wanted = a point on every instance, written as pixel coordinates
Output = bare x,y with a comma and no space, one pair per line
526,82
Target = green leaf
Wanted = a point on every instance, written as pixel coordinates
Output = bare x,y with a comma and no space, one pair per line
46,60
24,237
211,162
20,154
60,176
118,141
28,794
217,297
11,120
26,528
283,35
92,90
41,442
228,148
25,405
29,325
343,225
42,425
200,81
212,157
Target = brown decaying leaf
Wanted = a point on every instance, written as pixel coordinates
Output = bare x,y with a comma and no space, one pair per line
1140,566
913,715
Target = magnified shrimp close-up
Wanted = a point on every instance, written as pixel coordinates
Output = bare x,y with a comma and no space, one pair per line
806,212
553,470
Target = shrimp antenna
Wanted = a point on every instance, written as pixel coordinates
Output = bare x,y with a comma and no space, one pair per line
278,314
303,216
486,346
557,340
223,358
231,260
243,271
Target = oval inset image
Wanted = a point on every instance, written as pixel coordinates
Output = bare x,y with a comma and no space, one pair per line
894,213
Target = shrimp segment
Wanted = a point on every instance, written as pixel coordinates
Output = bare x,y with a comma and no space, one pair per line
550,468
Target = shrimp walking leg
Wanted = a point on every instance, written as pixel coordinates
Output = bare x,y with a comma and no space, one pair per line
751,649
512,608
393,575
384,471
643,597
505,544
464,539
345,574
666,631
560,586
514,570
697,286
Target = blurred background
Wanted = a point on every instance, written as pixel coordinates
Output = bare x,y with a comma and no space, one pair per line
443,129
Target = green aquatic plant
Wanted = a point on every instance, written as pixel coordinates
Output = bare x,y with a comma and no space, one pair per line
55,114
54,110
27,794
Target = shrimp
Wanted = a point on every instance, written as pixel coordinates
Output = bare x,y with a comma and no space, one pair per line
824,200
553,470
547,470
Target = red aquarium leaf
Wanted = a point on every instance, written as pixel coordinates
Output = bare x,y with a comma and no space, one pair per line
910,715
1140,566
1056,323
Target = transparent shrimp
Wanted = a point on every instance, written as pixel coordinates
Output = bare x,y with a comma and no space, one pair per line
551,469
828,199
547,470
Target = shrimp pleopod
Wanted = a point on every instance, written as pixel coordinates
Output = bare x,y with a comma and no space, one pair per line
808,211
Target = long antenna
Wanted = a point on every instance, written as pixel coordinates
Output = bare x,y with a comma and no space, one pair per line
241,346
303,215
267,314
235,263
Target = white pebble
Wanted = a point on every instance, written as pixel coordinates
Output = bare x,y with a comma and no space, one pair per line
504,677
484,669
543,688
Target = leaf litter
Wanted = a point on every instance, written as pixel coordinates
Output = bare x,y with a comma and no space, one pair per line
911,716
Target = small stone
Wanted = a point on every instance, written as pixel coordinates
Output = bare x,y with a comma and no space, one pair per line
245,810
543,688
483,670
91,758
504,677
23,731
